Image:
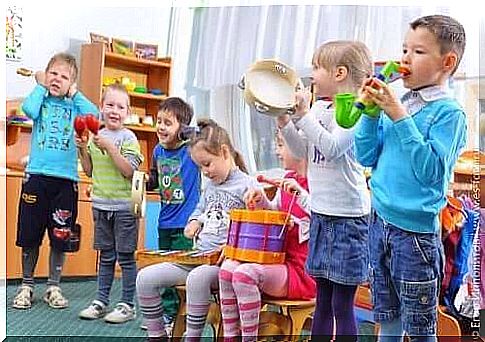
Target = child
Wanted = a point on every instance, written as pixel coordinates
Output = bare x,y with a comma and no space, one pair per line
242,284
224,167
412,149
49,190
178,178
340,204
110,158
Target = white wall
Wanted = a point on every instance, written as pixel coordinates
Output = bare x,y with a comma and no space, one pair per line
51,29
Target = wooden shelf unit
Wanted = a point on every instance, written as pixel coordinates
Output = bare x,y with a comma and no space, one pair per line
97,64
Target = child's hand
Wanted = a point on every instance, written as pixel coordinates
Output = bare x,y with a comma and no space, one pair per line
40,78
72,90
252,197
81,141
290,185
192,229
386,99
103,143
282,120
302,99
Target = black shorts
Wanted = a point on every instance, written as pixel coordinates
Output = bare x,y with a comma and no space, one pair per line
46,203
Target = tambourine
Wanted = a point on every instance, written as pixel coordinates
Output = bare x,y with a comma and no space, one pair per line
138,200
269,86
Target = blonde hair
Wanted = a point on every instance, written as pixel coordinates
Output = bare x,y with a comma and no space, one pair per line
353,55
116,87
66,58
211,137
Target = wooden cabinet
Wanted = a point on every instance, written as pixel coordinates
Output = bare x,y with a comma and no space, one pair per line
99,65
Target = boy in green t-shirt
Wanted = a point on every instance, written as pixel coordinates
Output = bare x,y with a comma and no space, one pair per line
110,158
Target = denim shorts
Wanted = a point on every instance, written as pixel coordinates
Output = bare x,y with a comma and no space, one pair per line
338,248
405,273
116,230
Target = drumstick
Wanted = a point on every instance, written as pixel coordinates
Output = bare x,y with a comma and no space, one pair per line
25,72
263,179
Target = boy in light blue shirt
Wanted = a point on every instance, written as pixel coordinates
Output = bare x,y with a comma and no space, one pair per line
49,195
412,148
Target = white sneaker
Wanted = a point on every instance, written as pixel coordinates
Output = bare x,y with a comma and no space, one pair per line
94,311
122,313
24,297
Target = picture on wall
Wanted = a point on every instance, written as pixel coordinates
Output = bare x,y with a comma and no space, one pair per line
13,45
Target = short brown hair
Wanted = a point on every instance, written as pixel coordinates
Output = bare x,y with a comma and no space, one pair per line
67,58
449,33
182,111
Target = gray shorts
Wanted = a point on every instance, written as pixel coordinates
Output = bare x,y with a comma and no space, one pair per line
116,230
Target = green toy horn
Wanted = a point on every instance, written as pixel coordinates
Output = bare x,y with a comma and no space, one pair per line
346,114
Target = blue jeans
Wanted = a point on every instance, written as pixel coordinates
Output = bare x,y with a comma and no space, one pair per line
106,275
405,272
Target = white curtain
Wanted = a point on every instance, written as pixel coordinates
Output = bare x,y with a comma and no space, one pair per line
226,40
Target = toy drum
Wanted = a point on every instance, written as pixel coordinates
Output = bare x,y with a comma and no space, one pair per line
269,86
256,236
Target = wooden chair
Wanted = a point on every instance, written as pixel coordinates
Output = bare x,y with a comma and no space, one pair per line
214,318
297,313
289,321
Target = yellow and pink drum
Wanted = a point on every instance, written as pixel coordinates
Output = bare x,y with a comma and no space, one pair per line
257,236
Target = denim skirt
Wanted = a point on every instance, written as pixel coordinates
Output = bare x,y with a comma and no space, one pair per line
338,248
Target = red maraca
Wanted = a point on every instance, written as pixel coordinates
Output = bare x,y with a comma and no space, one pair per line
80,126
93,123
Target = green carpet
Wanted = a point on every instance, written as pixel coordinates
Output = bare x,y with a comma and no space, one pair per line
42,321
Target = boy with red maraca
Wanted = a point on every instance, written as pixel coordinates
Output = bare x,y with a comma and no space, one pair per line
110,158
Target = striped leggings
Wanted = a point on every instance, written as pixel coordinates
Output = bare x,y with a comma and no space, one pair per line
151,282
240,287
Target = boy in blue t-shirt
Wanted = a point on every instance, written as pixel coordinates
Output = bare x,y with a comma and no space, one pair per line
49,195
412,150
178,179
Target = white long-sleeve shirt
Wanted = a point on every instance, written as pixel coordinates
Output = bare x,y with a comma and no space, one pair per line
336,180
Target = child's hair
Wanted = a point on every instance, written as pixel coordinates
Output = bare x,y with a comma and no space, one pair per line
212,137
116,87
353,55
179,108
67,58
449,33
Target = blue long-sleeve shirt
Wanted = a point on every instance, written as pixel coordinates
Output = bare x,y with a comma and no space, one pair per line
53,148
412,159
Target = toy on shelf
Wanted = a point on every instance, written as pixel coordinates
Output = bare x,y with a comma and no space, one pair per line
348,110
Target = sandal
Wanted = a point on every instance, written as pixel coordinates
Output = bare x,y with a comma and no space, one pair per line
24,297
53,296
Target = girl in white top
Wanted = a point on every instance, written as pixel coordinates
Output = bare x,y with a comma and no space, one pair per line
340,202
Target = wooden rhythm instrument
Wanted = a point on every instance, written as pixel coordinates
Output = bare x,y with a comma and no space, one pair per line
138,194
192,257
257,236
